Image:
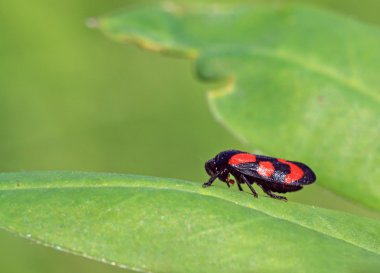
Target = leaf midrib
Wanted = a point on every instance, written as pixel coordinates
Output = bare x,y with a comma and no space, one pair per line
192,192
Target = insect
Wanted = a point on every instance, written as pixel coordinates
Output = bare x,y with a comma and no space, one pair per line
271,174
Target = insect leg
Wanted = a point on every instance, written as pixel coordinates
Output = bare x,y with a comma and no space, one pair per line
244,179
211,180
271,194
238,184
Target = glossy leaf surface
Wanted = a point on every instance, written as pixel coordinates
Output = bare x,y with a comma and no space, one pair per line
161,225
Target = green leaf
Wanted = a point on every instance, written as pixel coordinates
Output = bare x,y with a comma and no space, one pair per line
163,225
302,83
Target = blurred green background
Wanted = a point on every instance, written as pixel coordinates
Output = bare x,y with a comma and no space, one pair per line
71,99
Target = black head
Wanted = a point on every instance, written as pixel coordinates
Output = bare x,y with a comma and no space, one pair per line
211,167
218,164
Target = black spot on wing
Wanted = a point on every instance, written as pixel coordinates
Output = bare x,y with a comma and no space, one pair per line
249,169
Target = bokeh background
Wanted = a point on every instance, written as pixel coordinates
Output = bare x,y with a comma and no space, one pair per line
71,99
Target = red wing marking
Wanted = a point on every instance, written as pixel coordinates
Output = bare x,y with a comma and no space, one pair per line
295,174
266,169
241,158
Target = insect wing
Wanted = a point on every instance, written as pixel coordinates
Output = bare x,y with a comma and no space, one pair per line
300,172
248,169
277,171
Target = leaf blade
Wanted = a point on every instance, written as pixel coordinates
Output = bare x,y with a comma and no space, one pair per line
129,220
302,83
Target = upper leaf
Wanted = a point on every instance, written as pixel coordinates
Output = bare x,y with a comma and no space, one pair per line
161,225
303,84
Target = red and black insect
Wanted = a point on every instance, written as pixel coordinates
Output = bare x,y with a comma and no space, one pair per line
271,174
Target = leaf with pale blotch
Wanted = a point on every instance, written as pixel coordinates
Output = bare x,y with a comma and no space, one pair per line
302,83
164,225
